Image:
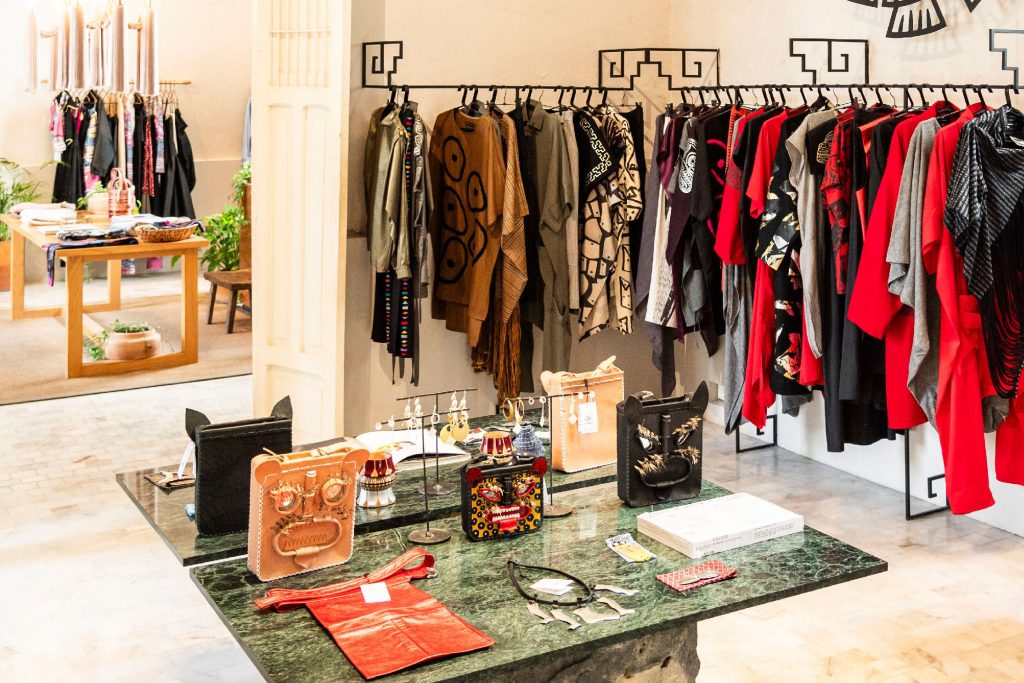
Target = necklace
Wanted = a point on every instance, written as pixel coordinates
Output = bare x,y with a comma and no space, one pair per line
515,573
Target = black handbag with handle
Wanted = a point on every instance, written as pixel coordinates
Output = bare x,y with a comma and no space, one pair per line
223,455
660,447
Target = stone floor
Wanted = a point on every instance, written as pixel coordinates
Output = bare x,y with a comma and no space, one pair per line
91,593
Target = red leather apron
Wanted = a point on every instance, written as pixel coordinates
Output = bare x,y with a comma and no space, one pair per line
382,638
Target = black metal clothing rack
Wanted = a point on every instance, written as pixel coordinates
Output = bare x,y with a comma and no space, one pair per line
760,432
734,92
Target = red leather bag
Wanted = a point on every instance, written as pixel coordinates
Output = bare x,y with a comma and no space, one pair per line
381,638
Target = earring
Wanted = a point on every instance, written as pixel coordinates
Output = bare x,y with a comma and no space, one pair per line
462,403
408,408
572,410
378,426
391,422
454,404
531,400
543,400
419,408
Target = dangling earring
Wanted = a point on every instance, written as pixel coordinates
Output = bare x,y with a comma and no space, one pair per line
391,422
543,400
408,408
378,426
572,410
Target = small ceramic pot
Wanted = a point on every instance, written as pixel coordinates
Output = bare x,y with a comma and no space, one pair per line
98,204
132,345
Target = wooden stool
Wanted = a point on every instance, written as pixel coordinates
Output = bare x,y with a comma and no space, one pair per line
233,280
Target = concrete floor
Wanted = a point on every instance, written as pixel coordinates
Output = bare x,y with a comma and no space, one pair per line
91,593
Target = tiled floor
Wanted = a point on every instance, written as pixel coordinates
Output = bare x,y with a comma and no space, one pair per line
90,593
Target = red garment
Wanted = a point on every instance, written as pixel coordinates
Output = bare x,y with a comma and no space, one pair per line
812,368
381,638
757,393
872,307
767,145
964,379
1010,445
728,238
758,396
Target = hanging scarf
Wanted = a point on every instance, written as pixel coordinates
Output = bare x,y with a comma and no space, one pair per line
986,219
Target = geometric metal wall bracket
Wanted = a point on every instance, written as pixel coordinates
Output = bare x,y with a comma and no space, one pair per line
618,69
833,60
998,44
380,62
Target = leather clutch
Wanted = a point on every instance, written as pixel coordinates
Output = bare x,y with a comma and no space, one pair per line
301,509
502,497
660,447
223,454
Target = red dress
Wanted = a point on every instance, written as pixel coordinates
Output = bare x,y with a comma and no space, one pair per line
873,308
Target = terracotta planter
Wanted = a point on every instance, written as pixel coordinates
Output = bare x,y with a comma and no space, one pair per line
132,345
5,266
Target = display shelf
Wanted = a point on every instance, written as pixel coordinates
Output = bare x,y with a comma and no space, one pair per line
472,581
165,512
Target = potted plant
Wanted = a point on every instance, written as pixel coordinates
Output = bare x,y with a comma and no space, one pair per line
96,201
15,187
224,229
124,341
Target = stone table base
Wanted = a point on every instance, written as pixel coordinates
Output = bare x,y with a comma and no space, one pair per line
663,657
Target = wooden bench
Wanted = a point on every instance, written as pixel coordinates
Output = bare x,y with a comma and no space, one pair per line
234,281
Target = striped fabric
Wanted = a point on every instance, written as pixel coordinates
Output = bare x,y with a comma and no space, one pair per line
986,218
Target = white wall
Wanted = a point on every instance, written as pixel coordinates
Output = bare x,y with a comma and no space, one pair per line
205,41
754,38
531,41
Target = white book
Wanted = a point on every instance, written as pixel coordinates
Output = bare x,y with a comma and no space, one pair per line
719,524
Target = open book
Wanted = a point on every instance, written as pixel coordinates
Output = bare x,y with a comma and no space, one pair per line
408,443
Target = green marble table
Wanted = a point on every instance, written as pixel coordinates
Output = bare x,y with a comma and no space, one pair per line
472,581
165,511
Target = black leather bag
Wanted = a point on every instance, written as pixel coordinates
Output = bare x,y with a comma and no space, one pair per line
223,455
660,447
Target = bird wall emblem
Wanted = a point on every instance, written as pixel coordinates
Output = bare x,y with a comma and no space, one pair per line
913,18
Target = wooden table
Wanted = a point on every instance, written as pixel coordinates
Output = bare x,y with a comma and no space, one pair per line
75,310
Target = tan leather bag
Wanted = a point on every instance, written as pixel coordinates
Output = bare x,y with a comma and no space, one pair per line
583,431
301,509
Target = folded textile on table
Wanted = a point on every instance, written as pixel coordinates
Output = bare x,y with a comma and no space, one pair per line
18,209
48,216
81,243
380,638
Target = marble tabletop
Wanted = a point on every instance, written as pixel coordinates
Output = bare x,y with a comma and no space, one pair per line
165,511
473,582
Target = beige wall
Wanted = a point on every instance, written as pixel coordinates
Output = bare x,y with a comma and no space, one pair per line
754,37
205,41
532,41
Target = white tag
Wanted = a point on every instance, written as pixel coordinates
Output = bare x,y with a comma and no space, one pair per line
553,586
186,457
375,592
587,419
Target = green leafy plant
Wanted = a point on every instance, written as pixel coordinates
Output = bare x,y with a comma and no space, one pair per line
224,229
239,182
95,344
15,187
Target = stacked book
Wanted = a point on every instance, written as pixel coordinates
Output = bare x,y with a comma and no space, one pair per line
719,524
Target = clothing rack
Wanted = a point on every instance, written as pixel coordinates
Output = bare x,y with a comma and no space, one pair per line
767,90
760,432
906,488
